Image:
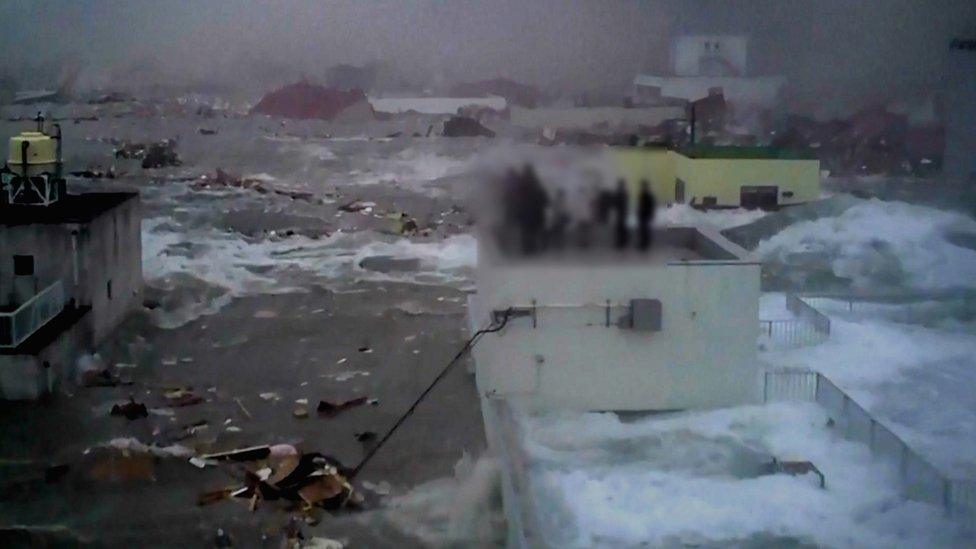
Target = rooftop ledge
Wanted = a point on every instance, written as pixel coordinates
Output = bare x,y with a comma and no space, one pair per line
672,246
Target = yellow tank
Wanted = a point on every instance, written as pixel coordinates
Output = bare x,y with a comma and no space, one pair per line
42,148
42,152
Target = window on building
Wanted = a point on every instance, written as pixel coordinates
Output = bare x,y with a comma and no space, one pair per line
108,289
23,265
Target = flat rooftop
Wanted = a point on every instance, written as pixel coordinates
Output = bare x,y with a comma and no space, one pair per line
671,244
73,208
744,153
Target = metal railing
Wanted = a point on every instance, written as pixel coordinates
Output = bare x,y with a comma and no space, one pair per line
19,324
801,309
920,480
808,327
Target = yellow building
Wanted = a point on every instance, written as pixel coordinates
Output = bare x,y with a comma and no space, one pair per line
721,177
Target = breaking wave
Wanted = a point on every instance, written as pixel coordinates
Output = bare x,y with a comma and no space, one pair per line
225,265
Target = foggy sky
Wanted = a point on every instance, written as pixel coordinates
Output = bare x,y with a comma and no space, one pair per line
844,51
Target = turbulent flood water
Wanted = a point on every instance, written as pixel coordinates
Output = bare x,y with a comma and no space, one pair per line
273,290
299,285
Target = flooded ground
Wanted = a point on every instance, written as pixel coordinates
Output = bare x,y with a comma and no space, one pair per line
262,302
296,283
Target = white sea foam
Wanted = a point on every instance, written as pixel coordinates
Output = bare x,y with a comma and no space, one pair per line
601,482
683,214
877,242
239,266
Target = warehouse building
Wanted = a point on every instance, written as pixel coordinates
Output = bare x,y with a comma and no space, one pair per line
722,177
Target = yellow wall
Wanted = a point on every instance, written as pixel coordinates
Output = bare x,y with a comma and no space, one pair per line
718,177
654,165
723,178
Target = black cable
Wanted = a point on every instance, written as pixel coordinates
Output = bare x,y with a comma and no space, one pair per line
464,350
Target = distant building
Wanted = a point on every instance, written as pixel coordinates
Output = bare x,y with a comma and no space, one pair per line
70,268
722,177
702,65
960,108
435,105
304,100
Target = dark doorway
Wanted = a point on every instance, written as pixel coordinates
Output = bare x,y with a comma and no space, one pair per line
763,197
679,192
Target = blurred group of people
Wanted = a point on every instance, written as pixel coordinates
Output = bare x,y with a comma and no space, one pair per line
533,221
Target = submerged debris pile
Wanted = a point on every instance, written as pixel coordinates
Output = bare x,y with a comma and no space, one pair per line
159,154
281,473
262,186
461,126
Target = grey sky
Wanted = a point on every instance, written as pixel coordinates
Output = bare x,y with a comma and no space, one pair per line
845,50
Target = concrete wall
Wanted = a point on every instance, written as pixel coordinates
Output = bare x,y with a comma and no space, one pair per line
27,377
51,247
85,257
110,250
704,355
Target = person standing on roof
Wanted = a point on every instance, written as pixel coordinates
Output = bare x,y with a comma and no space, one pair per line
532,203
559,221
645,215
621,206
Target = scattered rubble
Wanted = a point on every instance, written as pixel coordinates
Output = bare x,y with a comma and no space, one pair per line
261,186
161,155
130,410
304,100
101,378
460,126
312,479
124,149
366,436
795,469
357,206
182,397
872,141
95,172
332,409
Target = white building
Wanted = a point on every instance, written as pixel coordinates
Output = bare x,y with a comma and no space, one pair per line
434,105
603,329
705,64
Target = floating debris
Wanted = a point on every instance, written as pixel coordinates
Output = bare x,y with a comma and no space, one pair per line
130,410
332,409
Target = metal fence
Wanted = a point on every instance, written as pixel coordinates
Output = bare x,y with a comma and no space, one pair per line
19,324
802,310
920,480
808,327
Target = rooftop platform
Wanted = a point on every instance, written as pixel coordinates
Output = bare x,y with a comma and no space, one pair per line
73,208
671,245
